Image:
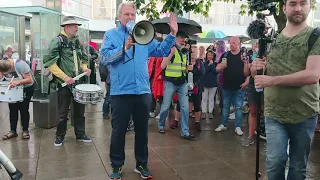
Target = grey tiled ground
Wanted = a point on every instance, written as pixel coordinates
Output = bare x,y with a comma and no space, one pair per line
211,156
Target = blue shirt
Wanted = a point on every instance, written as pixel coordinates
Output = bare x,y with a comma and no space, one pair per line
131,77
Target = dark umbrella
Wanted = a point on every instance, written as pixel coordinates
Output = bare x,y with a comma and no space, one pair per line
188,26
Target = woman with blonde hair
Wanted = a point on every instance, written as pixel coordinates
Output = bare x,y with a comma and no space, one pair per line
18,73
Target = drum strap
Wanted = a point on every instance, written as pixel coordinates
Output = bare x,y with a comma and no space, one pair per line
15,68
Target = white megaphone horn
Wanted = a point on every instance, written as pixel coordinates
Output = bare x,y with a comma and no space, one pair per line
142,32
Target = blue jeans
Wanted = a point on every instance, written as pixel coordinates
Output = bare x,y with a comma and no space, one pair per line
169,91
107,101
299,136
235,97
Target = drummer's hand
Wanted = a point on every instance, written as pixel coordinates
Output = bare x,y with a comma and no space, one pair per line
68,80
87,71
13,84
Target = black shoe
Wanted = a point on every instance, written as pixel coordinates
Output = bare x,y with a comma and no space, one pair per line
175,124
189,137
58,142
16,175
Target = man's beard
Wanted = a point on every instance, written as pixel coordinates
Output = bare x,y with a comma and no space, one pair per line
297,21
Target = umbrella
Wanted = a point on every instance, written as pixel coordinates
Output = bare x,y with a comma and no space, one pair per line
188,26
212,34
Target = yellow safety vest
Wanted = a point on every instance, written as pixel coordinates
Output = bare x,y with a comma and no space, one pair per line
175,68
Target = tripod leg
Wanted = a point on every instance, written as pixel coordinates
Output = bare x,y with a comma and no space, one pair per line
258,174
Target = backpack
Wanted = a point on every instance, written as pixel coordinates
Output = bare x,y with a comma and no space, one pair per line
103,72
313,38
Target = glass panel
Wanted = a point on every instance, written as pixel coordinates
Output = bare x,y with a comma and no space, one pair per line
9,34
49,29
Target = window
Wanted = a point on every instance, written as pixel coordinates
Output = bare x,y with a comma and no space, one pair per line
104,9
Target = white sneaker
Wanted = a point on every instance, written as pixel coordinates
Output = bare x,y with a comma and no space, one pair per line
152,114
221,127
238,131
158,116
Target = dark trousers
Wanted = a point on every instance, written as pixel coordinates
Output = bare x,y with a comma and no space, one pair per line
196,100
23,107
123,106
153,102
64,97
107,101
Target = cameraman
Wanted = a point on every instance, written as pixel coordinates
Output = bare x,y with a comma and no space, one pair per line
291,94
175,72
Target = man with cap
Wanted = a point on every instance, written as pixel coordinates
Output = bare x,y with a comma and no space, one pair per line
66,59
175,69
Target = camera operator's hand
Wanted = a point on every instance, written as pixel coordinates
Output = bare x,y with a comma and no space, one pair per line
129,42
190,67
220,67
258,64
187,46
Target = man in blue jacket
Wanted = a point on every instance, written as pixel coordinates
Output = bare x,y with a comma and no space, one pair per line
130,88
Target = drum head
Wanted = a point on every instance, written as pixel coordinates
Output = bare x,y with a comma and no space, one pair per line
88,87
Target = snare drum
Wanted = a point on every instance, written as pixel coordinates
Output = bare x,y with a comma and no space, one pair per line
87,93
14,94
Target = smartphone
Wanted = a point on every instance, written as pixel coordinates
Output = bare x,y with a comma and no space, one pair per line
224,61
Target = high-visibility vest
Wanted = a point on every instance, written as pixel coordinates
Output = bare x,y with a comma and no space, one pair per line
177,66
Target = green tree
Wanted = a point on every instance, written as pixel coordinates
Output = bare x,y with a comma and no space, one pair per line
148,8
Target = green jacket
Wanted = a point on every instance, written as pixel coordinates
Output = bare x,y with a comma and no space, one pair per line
60,60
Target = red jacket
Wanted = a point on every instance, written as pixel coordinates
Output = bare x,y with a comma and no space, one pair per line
158,81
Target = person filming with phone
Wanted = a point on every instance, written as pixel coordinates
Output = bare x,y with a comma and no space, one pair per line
233,65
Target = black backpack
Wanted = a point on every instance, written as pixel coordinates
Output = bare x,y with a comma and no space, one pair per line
313,38
103,72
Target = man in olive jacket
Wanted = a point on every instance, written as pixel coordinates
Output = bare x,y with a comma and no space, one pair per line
67,59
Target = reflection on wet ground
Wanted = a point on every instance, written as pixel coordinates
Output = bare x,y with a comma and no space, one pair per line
211,156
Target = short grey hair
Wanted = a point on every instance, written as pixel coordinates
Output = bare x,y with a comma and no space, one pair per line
125,3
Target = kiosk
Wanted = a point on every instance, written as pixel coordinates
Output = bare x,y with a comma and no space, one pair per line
45,25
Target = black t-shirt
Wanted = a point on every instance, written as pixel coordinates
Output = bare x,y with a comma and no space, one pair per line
233,75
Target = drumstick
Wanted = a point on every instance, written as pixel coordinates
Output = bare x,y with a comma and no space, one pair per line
9,86
75,78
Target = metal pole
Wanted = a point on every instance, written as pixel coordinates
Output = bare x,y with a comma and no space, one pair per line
22,38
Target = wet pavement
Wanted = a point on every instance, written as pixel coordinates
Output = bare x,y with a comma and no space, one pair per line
211,156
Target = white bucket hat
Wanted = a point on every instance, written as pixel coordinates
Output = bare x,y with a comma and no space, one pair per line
69,20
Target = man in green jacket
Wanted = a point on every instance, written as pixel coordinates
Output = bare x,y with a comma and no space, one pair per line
67,59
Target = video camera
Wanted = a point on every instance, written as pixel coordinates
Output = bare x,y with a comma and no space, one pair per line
188,44
260,28
261,5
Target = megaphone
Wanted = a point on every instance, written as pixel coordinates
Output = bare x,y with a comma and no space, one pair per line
142,32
